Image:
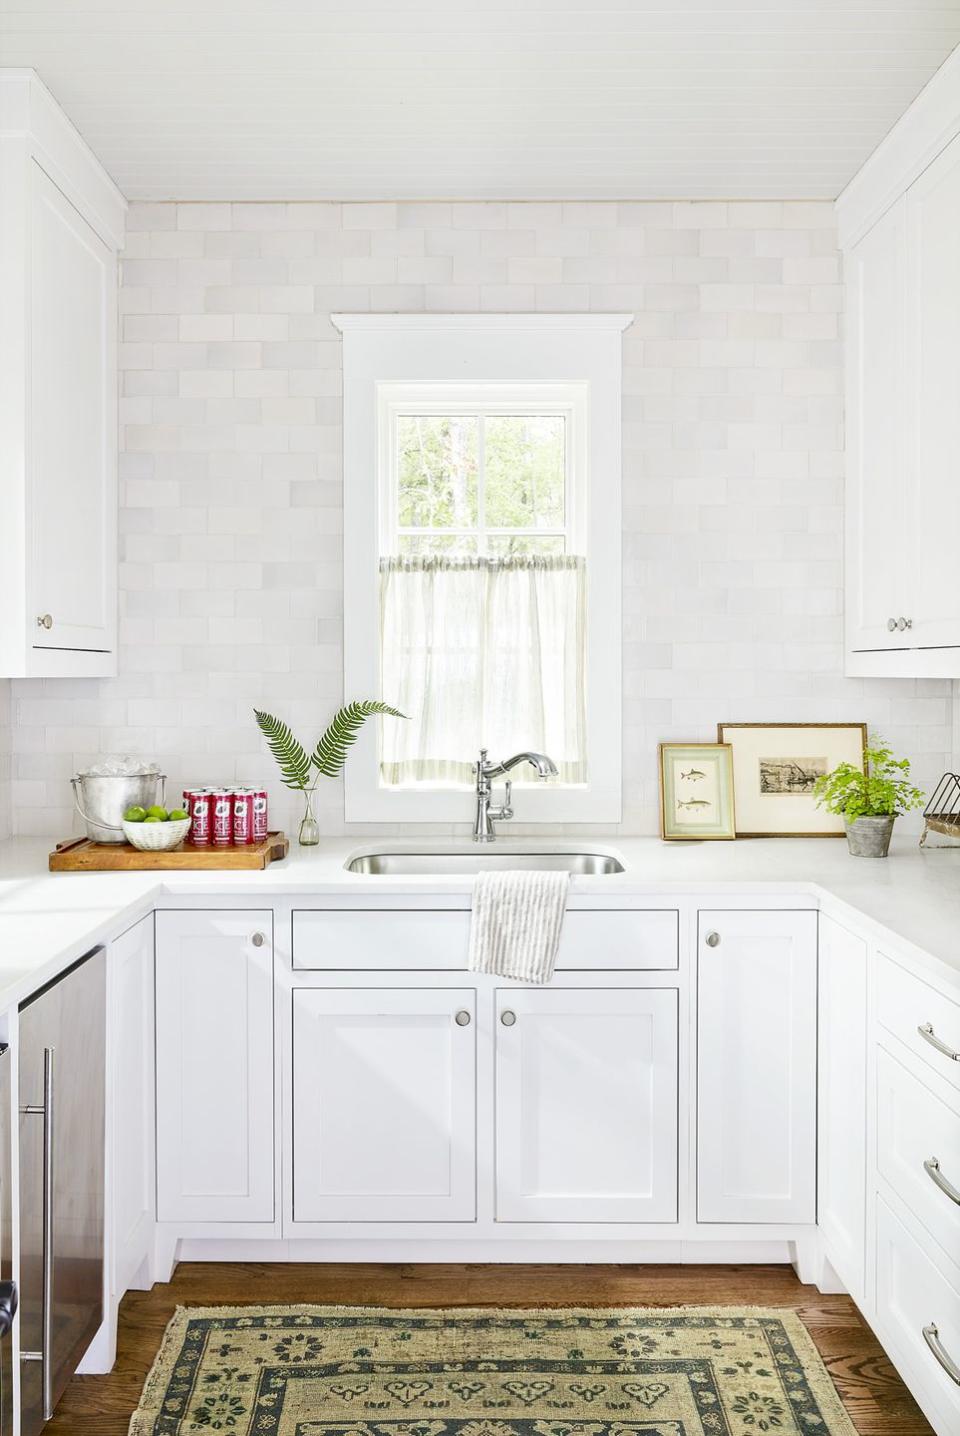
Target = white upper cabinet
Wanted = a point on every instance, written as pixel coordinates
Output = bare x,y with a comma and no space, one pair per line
61,225
933,289
899,220
878,506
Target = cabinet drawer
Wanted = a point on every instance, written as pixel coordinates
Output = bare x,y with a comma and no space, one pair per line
915,1128
619,941
380,940
922,1018
595,940
911,1295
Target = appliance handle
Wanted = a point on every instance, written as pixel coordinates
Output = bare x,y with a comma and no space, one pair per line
45,1354
46,1348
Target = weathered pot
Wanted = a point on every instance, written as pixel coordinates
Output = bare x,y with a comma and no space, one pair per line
869,837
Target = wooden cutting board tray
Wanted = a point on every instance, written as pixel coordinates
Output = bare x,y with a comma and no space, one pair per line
80,855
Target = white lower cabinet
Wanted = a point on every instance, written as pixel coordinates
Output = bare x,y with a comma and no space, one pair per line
757,1067
586,1105
842,1116
384,1104
215,1066
918,1151
918,1318
132,1080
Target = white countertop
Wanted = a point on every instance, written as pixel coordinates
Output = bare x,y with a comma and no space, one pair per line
49,919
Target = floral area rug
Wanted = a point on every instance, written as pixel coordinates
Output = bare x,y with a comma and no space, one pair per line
371,1371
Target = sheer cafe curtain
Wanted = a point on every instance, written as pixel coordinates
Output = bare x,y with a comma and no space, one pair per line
481,653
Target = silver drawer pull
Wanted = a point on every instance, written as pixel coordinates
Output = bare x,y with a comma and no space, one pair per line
712,939
462,1018
932,1168
258,939
927,1033
508,1018
932,1339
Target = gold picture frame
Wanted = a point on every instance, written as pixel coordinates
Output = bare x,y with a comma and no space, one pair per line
696,805
775,768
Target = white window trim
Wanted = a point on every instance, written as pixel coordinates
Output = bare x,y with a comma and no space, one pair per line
388,350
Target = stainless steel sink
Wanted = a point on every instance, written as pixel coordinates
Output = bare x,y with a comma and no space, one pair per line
480,859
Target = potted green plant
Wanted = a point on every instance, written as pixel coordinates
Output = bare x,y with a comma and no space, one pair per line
303,771
869,801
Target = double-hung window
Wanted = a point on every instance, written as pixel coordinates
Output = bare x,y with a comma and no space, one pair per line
481,549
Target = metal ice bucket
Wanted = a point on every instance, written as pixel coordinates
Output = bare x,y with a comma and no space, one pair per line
102,800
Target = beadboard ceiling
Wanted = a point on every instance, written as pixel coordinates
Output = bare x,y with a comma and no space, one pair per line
363,99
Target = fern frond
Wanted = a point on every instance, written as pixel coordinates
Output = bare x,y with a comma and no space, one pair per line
293,761
331,751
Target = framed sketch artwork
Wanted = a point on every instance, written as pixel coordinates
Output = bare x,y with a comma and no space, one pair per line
696,791
775,767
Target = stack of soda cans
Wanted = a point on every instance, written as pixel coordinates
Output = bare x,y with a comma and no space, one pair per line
226,817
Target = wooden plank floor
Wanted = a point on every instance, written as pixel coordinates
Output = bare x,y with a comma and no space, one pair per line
875,1397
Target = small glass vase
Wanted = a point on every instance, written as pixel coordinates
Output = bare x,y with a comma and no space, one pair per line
309,827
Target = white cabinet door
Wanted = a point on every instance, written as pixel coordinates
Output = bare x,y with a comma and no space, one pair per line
842,1115
72,493
215,1104
757,1067
132,1077
384,1097
879,565
586,1103
933,226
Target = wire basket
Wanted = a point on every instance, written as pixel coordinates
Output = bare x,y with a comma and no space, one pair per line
942,813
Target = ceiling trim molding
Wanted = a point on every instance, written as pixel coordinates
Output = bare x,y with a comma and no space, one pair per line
31,117
920,134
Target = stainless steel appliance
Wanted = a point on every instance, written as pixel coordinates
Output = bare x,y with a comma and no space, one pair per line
62,1093
8,1291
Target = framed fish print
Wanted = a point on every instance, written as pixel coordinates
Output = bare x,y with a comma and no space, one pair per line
696,791
775,767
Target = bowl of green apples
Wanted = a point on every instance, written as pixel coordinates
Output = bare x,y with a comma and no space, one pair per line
154,830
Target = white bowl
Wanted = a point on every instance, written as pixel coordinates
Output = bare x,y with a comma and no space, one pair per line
156,837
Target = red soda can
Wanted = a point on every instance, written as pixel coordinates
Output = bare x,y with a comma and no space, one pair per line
242,801
197,803
221,816
259,814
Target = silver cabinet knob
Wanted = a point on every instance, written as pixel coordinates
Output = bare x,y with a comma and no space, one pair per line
891,625
904,623
508,1018
258,939
462,1018
712,939
45,620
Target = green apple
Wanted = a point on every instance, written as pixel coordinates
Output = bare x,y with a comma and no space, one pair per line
136,814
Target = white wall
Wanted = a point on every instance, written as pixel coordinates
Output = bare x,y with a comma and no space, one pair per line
231,574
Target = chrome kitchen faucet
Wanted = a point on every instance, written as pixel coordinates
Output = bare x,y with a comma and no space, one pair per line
483,831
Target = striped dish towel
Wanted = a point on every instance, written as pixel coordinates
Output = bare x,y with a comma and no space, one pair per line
516,925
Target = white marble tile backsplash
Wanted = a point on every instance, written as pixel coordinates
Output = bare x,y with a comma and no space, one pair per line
231,485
